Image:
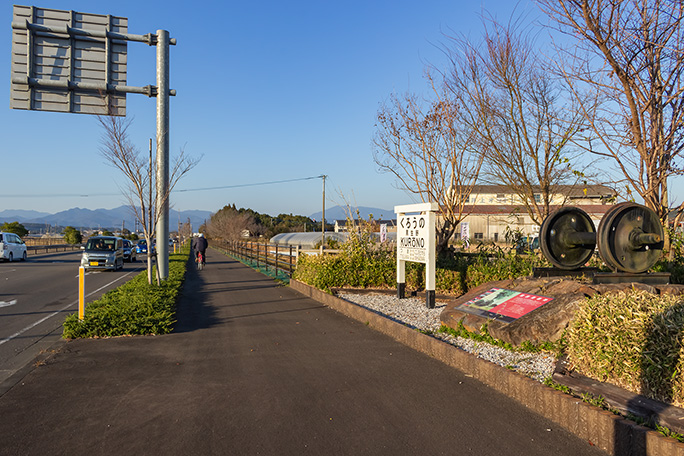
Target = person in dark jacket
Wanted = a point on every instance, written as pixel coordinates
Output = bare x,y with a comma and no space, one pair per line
200,244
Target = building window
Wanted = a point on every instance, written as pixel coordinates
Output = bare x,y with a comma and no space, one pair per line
500,198
496,237
479,236
537,198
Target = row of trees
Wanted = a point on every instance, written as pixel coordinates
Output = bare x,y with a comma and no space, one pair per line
71,234
606,95
230,223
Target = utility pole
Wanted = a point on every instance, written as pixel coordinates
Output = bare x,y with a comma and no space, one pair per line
323,220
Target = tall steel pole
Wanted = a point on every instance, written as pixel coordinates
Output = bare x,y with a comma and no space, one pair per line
323,221
163,153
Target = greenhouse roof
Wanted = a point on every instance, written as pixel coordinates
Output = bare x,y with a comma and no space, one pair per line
306,240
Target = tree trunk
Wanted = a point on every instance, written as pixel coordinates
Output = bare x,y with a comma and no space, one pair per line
149,267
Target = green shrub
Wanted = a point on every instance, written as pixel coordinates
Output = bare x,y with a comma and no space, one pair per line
673,260
495,264
360,263
633,340
373,267
135,307
363,263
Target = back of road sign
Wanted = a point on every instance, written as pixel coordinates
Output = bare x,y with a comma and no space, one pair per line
66,61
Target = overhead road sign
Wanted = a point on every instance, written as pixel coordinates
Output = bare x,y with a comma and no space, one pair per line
66,61
73,62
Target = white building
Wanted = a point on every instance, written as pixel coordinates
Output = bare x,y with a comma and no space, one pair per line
493,208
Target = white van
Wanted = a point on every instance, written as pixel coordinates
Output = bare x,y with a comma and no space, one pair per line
12,247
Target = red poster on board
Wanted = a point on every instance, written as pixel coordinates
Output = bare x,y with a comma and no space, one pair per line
502,304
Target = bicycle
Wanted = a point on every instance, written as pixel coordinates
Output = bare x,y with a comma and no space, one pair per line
200,261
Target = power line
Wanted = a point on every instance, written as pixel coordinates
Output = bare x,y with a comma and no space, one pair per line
199,189
249,185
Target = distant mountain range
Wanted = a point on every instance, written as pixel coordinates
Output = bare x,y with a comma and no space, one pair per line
98,218
341,213
113,219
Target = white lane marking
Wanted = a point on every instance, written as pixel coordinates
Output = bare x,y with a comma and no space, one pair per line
7,304
100,271
33,325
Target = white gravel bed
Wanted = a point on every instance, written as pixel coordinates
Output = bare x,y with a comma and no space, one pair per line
413,313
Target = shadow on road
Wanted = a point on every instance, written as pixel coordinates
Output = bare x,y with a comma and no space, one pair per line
193,311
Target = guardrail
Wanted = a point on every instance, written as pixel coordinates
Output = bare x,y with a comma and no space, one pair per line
33,241
281,258
34,249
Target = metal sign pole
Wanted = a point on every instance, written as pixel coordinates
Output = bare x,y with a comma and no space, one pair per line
92,69
163,153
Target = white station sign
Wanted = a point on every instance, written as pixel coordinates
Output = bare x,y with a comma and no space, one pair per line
416,243
412,238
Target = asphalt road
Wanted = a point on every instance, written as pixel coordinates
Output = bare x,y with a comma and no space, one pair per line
254,368
35,297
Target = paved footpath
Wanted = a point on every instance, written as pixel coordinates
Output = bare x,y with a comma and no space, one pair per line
255,368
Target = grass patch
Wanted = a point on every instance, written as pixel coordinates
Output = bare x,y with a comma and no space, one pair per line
483,336
134,308
557,386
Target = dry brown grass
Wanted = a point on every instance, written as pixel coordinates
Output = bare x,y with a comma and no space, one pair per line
633,340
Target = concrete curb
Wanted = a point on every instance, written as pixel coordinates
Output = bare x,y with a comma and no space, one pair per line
611,433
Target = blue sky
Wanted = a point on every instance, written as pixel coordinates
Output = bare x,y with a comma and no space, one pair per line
267,91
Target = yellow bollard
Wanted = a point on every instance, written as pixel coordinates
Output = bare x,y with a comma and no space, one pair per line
81,293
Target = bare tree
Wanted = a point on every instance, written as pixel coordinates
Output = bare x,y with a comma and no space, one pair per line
140,191
430,152
185,232
518,114
629,54
228,224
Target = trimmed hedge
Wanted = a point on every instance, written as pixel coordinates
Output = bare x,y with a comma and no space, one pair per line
490,268
134,308
377,269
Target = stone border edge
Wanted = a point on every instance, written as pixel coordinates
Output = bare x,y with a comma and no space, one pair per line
611,433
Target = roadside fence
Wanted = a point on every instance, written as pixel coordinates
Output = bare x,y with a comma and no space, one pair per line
42,241
277,259
34,249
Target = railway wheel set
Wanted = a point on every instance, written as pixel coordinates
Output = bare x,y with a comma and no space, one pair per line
629,238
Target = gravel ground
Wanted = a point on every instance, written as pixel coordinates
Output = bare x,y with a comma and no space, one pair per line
412,312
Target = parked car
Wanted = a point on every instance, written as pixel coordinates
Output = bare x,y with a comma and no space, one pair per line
103,252
130,252
12,247
527,244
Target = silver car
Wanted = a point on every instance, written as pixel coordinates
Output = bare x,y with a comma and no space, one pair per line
103,252
12,247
